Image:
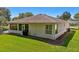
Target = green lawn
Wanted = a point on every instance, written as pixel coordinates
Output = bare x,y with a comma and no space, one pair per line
17,43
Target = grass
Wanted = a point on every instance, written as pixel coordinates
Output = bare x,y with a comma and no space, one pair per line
68,38
13,43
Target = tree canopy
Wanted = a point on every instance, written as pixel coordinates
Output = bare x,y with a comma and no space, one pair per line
4,15
65,16
22,15
76,16
4,12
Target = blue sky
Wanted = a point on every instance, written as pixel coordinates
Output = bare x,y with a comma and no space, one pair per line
52,11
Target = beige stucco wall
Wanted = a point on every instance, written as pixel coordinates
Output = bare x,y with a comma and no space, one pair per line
62,28
39,30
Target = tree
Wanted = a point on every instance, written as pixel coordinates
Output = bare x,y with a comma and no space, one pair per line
58,16
76,16
5,13
28,14
8,15
22,15
3,21
65,16
14,18
4,16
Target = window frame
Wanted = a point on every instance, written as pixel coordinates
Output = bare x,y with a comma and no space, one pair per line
48,29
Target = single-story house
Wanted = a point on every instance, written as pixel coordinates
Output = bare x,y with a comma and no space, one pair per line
73,22
40,25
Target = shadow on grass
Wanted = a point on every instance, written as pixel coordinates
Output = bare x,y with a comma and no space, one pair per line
45,40
60,42
68,38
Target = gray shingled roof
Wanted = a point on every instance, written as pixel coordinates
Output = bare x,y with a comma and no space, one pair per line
40,18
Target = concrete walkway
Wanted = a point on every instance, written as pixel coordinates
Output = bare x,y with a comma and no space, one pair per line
5,32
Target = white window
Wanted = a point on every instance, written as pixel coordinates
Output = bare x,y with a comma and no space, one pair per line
48,29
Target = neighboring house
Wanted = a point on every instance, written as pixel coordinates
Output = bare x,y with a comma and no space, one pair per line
73,22
40,25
